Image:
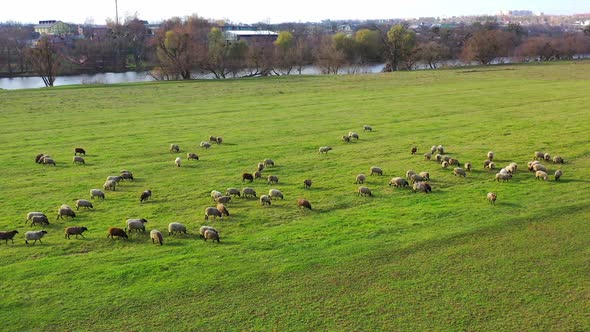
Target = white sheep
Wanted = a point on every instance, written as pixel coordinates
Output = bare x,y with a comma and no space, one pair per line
247,192
110,185
324,149
268,162
352,134
265,200
136,225
558,174
34,235
491,155
206,228
275,193
459,171
272,179
174,148
503,177
156,236
364,191
30,215
83,203
212,211
205,145
541,175
492,198
177,161
176,227
398,182
215,194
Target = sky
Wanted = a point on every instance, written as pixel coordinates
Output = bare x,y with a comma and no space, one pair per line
253,11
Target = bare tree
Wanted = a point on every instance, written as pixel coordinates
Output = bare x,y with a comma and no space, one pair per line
328,58
45,60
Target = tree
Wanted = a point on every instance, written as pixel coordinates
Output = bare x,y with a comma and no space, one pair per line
45,60
285,47
399,46
432,53
368,45
328,58
486,45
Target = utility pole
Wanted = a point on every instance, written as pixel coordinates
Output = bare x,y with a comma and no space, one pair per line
116,13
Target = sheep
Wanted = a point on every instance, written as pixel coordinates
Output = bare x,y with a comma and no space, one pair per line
504,171
30,215
558,174
177,161
257,175
126,175
367,128
539,167
503,177
409,174
206,228
116,178
192,156
78,160
43,220
398,182
557,160
272,179
114,231
416,178
223,199
538,155
46,160
96,193
352,134
376,170
433,149
547,156
83,203
156,236
215,194
467,166
324,149
364,191
440,149
38,158
247,176
174,148
264,199
427,156
360,179
135,225
247,192
491,165
176,227
303,203
74,230
205,145
232,192
514,167
212,211
275,193
425,175
79,151
213,139
65,211
530,164
454,162
222,209
268,162
346,139
490,155
446,158
510,169
260,167
34,235
438,157
492,198
459,171
444,164
306,183
422,186
219,140
541,175
414,150
8,235
145,195
211,235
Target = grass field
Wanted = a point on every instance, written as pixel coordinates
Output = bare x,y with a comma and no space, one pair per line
446,261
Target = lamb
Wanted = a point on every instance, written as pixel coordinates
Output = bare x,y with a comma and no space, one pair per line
30,215
74,230
223,199
211,235
38,158
232,192
427,156
492,198
83,203
275,193
558,174
324,149
422,186
306,183
212,211
176,227
414,150
272,179
65,210
491,155
222,209
352,134
264,199
367,128
206,228
547,156
346,139
156,236
248,192
247,176
425,175
360,179
467,166
557,160
268,162
364,191
192,156
79,151
34,235
459,171
78,160
409,174
215,194
398,182
126,175
376,170
416,178
145,195
440,149
503,177
260,167
541,175
539,155
43,220
8,235
96,193
114,231
177,161
116,178
303,203
444,164
205,145
136,225
174,148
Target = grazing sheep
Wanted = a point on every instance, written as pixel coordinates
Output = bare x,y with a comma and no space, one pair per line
492,198
491,155
558,174
212,211
213,139
74,230
215,194
467,166
367,128
440,149
83,203
275,193
422,186
409,174
541,175
510,169
96,193
205,145
8,235
116,178
324,149
416,178
206,228
454,162
264,199
364,191
79,151
346,139
145,195
126,175
504,171
360,179
425,175
539,155
78,160
376,170
174,148
306,183
459,171
268,162
303,203
114,231
530,164
38,158
211,235
176,227
557,160
232,192
156,236
34,235
414,150
272,179
248,192
446,158
491,165
486,163
247,176
539,167
223,199
260,167
427,156
222,209
352,134
438,157
192,156
398,182
433,149
46,160
503,177
65,211
177,161
42,220
547,156
257,175
136,225
30,215
444,164
219,140
514,167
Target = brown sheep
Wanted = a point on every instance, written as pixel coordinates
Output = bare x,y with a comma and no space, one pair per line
272,179
257,175
346,139
364,191
79,151
492,198
427,156
222,209
360,179
247,176
114,231
414,150
557,160
74,230
303,203
192,156
38,158
145,195
459,171
223,199
260,167
558,174
8,235
42,220
376,170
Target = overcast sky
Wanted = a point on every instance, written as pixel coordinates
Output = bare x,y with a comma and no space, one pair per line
252,11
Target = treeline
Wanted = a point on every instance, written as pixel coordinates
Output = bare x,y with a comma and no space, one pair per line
181,48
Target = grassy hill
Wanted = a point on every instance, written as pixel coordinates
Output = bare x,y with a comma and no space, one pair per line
399,260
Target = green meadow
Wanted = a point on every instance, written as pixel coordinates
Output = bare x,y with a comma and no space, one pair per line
444,261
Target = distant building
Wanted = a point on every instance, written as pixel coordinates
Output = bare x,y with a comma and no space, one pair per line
52,27
250,35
